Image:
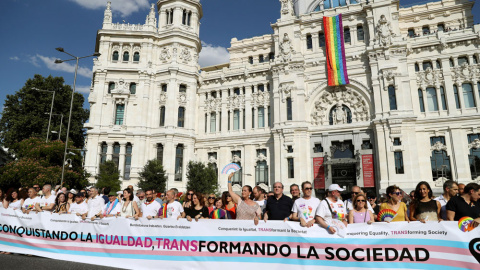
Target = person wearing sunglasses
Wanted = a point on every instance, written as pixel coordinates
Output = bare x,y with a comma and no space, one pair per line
360,212
210,203
229,205
304,208
394,202
330,209
349,203
188,201
247,209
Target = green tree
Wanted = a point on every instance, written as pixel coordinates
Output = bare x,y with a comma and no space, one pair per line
24,115
201,178
109,176
40,163
153,176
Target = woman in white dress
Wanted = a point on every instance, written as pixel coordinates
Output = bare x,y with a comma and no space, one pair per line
129,207
12,200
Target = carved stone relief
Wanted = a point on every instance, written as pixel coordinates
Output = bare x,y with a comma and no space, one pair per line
438,146
286,48
213,104
185,55
429,77
465,72
384,33
285,90
165,54
236,102
475,144
260,98
121,88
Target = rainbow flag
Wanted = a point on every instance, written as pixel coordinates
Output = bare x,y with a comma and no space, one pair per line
336,64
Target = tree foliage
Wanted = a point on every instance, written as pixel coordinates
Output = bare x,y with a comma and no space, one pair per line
24,115
108,176
153,176
41,163
201,178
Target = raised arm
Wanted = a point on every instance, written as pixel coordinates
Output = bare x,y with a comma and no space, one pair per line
234,196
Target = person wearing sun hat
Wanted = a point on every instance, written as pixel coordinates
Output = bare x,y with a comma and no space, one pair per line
113,207
331,208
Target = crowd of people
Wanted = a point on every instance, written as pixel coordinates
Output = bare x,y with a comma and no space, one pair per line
456,202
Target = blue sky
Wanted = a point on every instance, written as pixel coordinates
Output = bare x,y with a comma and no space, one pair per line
32,29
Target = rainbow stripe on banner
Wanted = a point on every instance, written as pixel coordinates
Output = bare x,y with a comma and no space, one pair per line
336,64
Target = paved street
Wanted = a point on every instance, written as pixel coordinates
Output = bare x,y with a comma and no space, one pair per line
22,262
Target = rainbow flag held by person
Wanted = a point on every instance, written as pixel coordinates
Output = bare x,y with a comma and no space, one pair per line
336,64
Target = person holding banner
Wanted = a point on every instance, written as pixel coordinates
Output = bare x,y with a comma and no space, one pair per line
113,207
79,207
12,200
466,205
360,212
247,209
197,210
330,209
394,202
424,207
61,204
47,201
279,206
150,207
29,204
172,208
129,206
229,205
304,208
219,212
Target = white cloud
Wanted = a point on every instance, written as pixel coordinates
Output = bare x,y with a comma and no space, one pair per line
14,58
65,67
124,7
213,55
84,89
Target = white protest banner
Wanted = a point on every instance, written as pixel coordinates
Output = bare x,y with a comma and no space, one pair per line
238,244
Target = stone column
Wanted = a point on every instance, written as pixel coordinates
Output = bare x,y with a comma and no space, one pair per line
110,151
121,160
447,76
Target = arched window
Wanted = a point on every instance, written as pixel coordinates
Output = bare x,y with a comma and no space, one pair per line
181,117
462,60
261,117
182,88
128,161
411,32
475,59
126,56
111,86
344,111
236,119
103,152
116,154
289,109
213,122
441,27
184,17
439,64
261,170
136,57
162,116
119,114
392,97
261,88
457,96
261,59
317,8
189,18
346,35
432,100
271,56
360,33
179,162
250,60
468,96
133,88
420,100
426,30
309,42
417,68
164,87
443,98
427,64
160,153
440,161
115,56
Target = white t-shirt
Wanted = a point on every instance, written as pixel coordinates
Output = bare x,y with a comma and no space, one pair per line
349,204
81,208
29,204
443,203
338,209
44,201
151,209
306,209
95,206
174,210
115,210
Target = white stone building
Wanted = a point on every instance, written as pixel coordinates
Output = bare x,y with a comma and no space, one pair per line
410,112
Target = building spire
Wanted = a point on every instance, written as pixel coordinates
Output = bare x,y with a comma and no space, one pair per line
107,16
151,18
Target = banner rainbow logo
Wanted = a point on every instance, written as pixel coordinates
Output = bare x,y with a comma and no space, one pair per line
465,224
336,64
232,167
386,215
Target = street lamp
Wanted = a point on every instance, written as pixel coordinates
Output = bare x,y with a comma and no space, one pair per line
61,124
58,61
51,109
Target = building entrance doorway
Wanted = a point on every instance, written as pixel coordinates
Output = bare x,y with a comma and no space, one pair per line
345,175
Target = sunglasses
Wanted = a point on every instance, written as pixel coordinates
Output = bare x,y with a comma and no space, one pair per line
355,193
397,193
228,196
189,194
308,188
211,198
360,200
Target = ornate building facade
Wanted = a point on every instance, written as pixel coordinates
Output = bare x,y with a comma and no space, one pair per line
409,113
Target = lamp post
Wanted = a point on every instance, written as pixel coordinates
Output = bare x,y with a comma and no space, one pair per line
57,61
51,109
61,123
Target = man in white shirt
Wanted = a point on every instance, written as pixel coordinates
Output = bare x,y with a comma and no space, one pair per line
450,189
79,207
29,203
172,209
259,197
95,204
150,207
331,208
47,202
304,208
348,203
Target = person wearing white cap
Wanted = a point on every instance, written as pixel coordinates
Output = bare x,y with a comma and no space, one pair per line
331,208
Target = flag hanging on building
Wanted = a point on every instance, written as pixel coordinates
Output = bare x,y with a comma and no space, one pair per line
336,64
